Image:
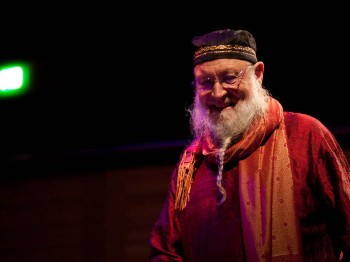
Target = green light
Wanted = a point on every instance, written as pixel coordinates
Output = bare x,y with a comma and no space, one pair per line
14,79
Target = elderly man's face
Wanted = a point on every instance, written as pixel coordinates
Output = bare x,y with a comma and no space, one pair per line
228,96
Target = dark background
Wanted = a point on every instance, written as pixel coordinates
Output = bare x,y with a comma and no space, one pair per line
87,154
106,76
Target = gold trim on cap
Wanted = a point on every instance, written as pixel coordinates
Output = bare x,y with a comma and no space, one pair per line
204,50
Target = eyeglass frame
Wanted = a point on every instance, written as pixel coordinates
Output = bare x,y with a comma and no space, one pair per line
235,78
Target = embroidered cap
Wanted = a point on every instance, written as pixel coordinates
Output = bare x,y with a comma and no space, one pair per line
227,43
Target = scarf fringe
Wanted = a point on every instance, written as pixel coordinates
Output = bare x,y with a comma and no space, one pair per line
186,171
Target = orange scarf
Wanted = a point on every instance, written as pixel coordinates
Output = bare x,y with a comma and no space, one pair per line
269,223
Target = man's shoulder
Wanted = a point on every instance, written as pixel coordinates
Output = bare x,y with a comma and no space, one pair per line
304,123
295,117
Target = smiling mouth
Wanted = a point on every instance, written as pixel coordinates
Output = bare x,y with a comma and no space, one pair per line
223,107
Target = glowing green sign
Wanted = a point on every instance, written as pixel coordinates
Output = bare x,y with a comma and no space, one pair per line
14,79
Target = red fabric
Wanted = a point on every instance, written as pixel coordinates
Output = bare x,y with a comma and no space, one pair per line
204,231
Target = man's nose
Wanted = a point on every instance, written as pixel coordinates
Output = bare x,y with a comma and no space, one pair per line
218,90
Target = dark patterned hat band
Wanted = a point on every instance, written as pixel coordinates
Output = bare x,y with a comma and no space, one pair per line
234,44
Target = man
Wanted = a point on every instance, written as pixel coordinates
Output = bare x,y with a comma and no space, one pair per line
256,183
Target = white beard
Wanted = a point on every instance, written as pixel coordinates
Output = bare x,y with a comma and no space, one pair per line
228,126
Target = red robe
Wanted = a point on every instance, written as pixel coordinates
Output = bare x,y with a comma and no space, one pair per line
205,231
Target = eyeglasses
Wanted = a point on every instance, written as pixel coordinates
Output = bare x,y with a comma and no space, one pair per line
228,80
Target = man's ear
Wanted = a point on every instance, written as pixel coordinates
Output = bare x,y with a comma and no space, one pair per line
259,70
